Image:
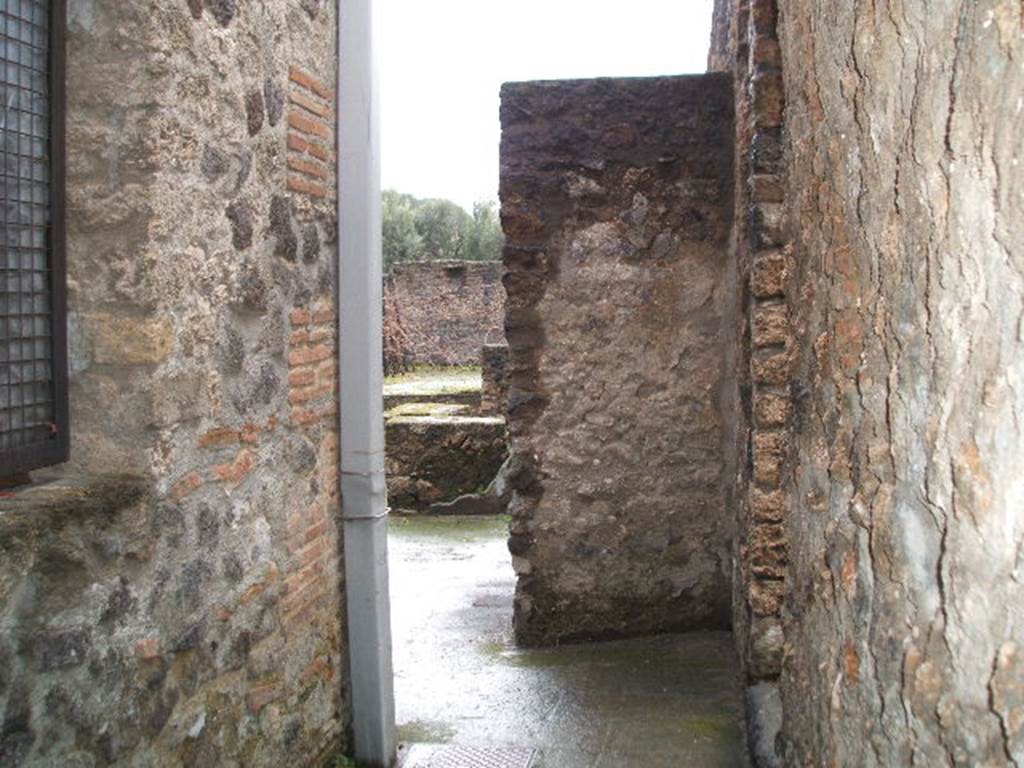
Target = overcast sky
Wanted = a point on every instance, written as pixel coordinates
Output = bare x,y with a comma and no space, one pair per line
443,61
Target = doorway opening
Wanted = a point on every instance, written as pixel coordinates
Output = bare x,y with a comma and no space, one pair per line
459,677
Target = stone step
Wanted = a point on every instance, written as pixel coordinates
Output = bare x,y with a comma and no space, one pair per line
434,459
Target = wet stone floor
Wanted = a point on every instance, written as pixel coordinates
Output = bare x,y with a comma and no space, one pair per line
670,701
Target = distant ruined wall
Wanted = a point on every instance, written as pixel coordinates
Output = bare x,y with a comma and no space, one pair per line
448,309
175,599
616,205
905,601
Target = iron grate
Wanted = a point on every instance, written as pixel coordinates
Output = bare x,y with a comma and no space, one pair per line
27,395
454,756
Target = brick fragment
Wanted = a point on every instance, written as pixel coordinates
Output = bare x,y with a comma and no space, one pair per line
218,438
768,278
310,105
316,531
312,551
307,167
851,664
262,694
771,370
306,394
321,334
237,470
771,409
323,315
304,416
302,377
298,184
769,458
767,552
309,125
307,355
186,485
768,506
269,579
297,580
297,142
299,617
299,602
309,82
320,668
770,325
320,152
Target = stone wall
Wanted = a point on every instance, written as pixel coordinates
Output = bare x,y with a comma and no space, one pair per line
494,379
616,205
905,602
436,457
448,310
188,611
745,44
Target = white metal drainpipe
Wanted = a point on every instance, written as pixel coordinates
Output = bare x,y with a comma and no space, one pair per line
364,509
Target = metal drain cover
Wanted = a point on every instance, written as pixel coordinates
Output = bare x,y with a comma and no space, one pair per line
453,756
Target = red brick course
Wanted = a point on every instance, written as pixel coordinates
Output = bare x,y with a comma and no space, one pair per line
310,136
310,83
311,188
762,238
312,361
309,125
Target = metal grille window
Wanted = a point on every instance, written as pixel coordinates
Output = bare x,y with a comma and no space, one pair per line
33,354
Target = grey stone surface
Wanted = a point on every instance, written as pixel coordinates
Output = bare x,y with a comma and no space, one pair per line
434,458
494,362
616,205
493,501
764,721
662,702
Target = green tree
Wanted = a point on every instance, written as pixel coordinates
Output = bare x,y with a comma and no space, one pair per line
485,239
438,229
444,227
402,241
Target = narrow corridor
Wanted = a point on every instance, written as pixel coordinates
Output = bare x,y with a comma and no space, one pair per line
650,703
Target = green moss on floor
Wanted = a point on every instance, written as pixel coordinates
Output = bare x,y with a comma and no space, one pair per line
436,410
339,761
425,732
435,381
450,528
658,702
711,727
465,421
620,654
